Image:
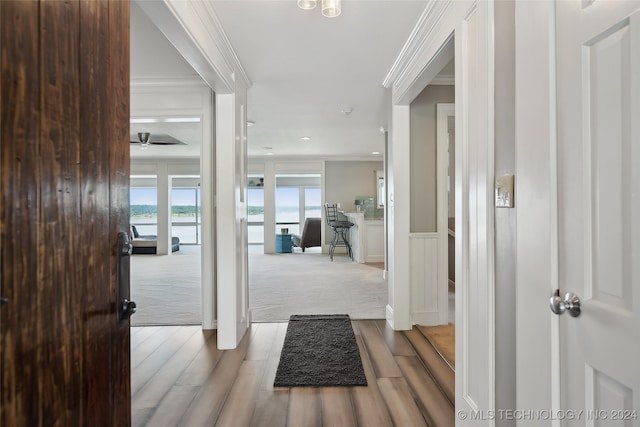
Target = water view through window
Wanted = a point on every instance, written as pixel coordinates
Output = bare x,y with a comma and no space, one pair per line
185,212
293,206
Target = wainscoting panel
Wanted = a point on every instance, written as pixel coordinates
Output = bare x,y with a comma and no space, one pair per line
423,250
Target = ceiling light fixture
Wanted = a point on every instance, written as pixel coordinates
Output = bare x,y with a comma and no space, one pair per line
330,8
307,4
375,153
305,138
144,139
250,123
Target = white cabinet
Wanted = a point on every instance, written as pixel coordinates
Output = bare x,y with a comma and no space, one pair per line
374,241
366,238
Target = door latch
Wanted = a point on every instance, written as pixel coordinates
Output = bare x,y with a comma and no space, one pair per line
570,303
125,307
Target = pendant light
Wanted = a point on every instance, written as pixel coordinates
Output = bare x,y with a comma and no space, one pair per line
331,8
307,4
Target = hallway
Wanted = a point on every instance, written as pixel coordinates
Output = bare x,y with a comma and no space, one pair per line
180,378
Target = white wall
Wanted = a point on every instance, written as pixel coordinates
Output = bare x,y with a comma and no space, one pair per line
423,157
505,218
146,42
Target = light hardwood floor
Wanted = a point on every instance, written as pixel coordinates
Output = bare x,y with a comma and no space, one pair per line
180,378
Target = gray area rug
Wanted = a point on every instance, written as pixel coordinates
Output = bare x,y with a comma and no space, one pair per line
320,351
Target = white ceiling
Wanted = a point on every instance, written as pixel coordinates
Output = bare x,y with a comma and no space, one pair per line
305,70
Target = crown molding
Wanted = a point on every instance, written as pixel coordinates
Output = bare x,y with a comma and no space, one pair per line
444,80
354,158
194,29
428,21
215,26
191,81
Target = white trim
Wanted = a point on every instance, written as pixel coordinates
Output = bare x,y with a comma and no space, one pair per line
443,80
490,221
462,223
424,275
337,158
414,46
195,31
443,112
537,331
227,301
389,316
208,215
399,202
554,269
168,82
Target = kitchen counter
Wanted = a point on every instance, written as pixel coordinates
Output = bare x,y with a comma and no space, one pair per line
366,237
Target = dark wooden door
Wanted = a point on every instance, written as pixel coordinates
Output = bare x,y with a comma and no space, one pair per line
64,173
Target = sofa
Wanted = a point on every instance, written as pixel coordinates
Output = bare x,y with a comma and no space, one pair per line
148,244
311,234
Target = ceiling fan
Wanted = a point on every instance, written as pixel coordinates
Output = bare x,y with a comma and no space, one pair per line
145,139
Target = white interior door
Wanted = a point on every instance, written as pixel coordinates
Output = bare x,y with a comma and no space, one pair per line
598,122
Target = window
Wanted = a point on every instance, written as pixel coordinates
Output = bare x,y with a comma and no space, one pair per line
186,215
143,209
288,209
297,197
312,203
255,216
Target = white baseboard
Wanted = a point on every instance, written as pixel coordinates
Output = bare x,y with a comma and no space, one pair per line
211,325
389,314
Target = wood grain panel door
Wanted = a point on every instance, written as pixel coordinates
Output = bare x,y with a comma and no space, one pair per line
64,176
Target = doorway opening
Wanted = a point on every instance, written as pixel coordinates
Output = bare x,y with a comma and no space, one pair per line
166,283
296,276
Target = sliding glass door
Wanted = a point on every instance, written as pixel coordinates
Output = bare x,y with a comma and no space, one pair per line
143,208
186,215
255,215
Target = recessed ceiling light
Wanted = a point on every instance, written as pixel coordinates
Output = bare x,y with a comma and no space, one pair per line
347,110
250,123
269,154
305,138
375,152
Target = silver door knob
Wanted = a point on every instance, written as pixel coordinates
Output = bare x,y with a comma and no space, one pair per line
570,303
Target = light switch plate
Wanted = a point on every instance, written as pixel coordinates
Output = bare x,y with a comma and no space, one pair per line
504,191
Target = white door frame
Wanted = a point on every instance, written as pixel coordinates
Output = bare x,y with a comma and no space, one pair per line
443,112
421,60
537,331
194,30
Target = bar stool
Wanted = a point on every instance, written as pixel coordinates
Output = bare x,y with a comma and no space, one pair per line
340,230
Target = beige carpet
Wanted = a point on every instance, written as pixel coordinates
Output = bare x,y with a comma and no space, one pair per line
309,283
166,288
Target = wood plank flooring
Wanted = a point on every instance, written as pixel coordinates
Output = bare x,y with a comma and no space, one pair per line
180,378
